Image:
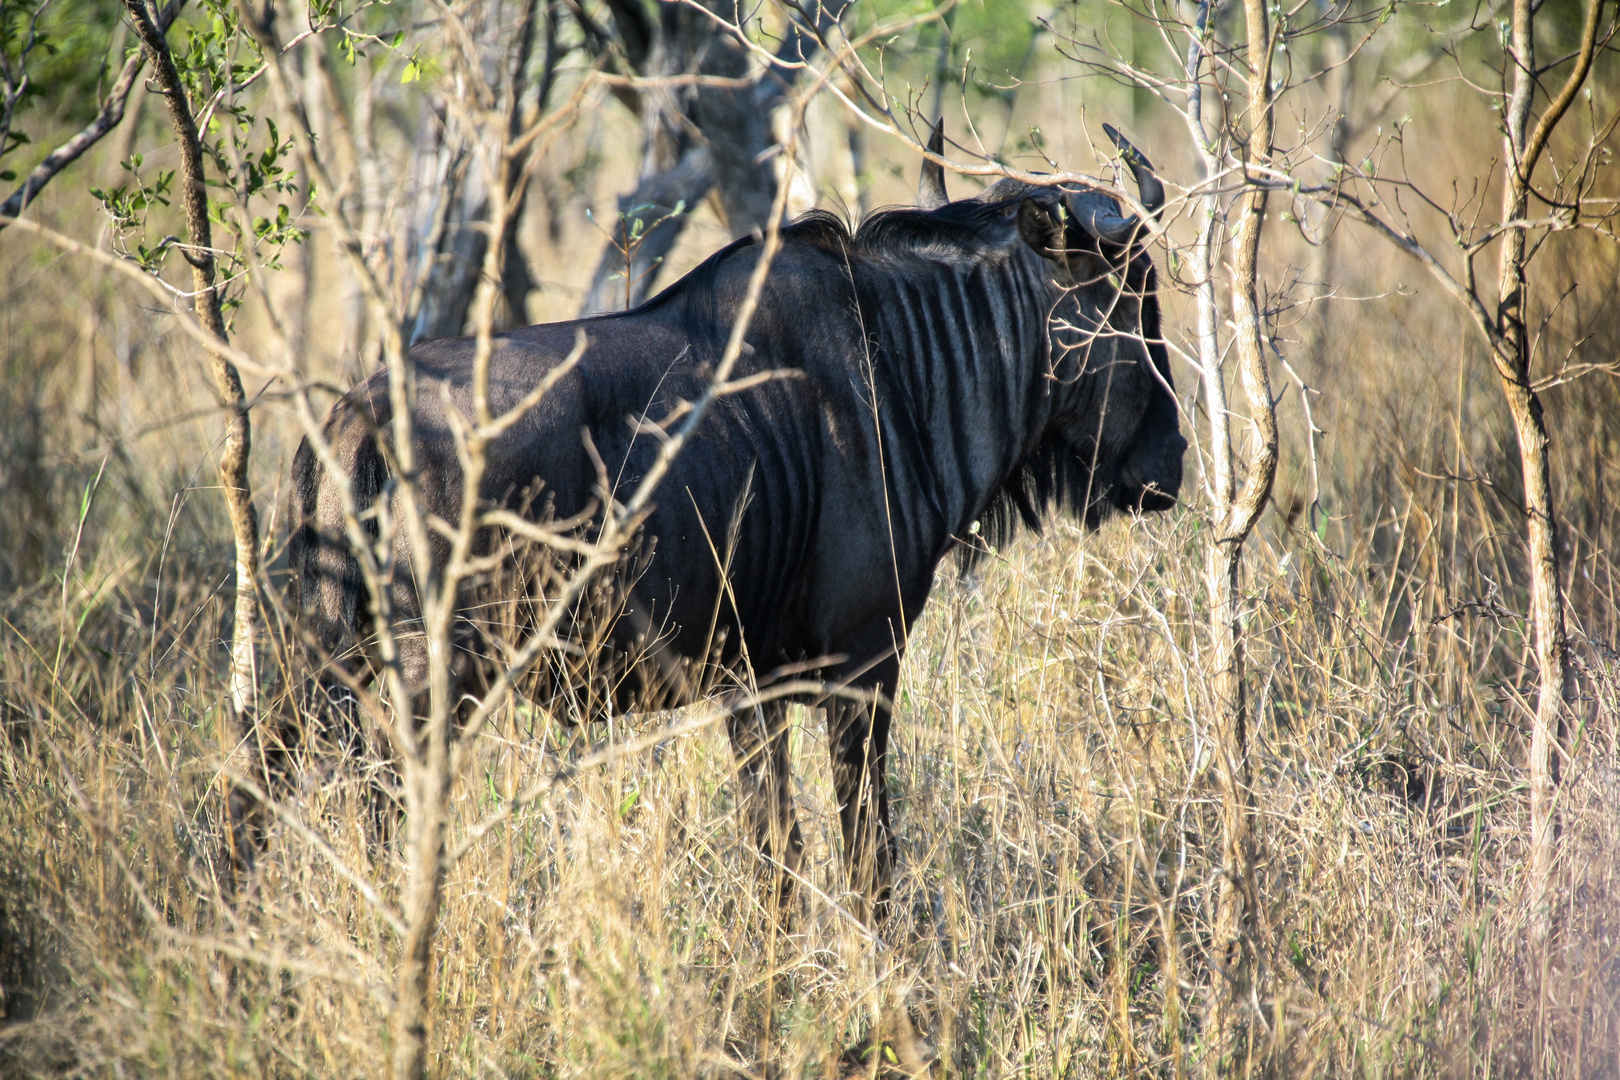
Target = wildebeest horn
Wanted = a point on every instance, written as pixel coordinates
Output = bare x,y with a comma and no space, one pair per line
1107,226
931,187
1148,185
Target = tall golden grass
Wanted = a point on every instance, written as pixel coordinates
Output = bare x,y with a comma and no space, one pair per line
1058,826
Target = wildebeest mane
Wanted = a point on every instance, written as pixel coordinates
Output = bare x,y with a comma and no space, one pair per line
900,230
694,297
968,225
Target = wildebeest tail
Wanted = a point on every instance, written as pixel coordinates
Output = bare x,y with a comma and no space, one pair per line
327,591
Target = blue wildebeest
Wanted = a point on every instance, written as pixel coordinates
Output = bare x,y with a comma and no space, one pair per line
973,361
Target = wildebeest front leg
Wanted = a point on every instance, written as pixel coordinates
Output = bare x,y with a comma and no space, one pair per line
765,794
858,741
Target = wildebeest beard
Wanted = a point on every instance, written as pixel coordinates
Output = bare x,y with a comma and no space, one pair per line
928,380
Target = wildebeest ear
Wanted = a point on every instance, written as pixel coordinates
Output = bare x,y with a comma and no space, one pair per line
1040,228
931,187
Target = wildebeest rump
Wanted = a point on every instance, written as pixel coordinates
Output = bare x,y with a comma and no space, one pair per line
977,362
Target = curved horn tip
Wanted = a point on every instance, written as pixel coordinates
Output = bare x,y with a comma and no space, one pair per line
931,186
1127,149
1148,184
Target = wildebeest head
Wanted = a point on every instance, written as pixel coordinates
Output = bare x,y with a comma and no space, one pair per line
1118,408
1115,441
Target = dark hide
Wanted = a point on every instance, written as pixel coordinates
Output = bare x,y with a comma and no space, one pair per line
975,363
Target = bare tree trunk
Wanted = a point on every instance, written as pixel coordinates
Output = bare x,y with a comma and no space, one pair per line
361,341
1236,902
696,138
233,465
456,237
678,169
457,232
516,281
1513,366
430,777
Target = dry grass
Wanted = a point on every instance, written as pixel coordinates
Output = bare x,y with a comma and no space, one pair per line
1050,785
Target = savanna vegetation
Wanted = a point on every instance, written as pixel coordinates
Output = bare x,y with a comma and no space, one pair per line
1317,774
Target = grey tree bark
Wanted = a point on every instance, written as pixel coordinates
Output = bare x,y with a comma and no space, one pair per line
453,218
698,136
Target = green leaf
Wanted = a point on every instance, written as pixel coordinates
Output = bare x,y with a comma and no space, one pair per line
8,175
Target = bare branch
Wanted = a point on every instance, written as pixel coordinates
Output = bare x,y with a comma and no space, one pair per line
1526,165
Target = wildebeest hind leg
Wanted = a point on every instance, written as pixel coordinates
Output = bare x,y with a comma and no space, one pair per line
858,741
765,797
